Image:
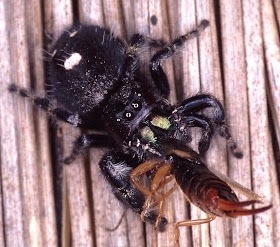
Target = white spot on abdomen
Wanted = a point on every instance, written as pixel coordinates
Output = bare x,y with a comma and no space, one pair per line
72,61
73,34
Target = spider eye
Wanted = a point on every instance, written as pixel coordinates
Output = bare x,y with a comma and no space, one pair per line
137,93
136,105
128,115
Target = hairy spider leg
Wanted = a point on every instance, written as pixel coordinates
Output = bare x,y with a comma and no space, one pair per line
157,73
137,41
200,102
132,59
189,223
45,104
207,131
84,141
87,141
116,168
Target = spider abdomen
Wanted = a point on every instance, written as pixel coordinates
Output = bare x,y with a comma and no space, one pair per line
85,68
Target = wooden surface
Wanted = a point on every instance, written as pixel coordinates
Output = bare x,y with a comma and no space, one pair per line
237,59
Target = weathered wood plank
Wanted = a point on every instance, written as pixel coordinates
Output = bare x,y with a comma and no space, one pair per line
237,59
236,103
46,194
12,215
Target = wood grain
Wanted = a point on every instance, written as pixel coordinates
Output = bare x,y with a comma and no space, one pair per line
237,59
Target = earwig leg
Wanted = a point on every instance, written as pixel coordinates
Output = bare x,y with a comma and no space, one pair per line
145,207
156,184
160,203
160,212
138,171
174,187
250,194
189,223
165,182
143,168
163,171
118,224
159,199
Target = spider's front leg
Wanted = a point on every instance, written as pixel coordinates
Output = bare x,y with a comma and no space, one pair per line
181,129
198,103
136,44
116,168
157,73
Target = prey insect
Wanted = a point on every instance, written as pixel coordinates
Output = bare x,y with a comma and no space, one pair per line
96,84
201,186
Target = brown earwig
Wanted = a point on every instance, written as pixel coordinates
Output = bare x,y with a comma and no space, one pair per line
200,185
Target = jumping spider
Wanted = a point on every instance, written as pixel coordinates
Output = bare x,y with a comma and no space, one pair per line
97,84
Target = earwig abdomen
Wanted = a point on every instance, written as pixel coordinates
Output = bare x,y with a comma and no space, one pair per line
207,191
201,186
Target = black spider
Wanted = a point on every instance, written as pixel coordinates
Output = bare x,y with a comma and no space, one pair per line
97,84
